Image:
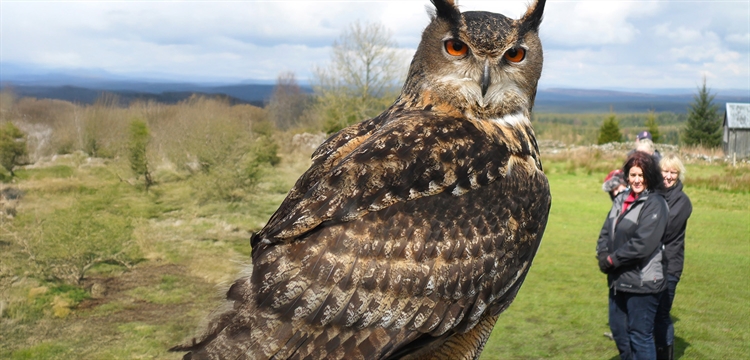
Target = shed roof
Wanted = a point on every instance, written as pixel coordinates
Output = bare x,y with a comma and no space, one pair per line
738,116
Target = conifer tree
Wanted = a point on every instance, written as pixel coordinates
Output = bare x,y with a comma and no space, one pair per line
704,124
652,126
610,131
138,142
12,146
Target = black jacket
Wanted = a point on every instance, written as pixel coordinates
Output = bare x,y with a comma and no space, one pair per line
633,240
680,209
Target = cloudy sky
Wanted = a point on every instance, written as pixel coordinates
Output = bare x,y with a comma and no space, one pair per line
636,44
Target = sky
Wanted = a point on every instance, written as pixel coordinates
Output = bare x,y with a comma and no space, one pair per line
590,44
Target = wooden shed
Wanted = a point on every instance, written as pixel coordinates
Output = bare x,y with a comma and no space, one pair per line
736,140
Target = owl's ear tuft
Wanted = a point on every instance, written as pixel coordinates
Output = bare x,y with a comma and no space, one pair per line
533,16
447,9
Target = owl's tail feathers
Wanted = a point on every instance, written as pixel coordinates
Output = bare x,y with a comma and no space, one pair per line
197,345
223,321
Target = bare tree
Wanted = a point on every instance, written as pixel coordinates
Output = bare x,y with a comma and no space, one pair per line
288,102
362,77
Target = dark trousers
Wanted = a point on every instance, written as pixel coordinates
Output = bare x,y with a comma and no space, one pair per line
631,319
663,327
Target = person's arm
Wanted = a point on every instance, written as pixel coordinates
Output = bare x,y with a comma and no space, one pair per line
604,236
602,247
678,217
674,239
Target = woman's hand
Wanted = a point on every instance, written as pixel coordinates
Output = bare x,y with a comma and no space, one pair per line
605,263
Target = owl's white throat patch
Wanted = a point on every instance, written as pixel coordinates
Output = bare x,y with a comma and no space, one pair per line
512,120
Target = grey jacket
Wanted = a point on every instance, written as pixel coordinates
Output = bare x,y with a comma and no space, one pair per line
633,239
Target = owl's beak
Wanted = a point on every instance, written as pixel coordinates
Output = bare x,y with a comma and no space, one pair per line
486,77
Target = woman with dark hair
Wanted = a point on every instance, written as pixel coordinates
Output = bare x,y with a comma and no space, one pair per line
629,250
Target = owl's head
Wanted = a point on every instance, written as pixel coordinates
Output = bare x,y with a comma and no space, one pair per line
482,64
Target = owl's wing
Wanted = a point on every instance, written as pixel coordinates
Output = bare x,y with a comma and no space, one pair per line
412,156
325,157
424,230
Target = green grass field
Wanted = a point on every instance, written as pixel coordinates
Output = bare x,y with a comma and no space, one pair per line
184,251
561,310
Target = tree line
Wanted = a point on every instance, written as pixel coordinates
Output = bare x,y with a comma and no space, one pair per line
703,126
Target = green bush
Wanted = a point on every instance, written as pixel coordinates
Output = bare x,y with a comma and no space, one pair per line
229,158
69,241
653,127
137,144
91,146
12,146
230,179
610,131
339,110
265,150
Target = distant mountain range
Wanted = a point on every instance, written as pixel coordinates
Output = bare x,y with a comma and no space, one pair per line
254,94
86,86
601,101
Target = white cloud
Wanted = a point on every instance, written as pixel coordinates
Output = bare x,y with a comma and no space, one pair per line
588,44
585,23
727,57
694,52
680,34
663,45
743,39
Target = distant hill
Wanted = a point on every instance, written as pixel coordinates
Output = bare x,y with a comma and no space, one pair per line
601,101
82,95
86,90
86,85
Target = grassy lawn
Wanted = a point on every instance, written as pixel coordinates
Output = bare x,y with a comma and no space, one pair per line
561,310
182,252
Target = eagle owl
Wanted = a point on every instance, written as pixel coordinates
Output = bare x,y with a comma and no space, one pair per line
412,231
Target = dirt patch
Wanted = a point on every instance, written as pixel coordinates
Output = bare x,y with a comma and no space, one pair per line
116,286
116,289
112,322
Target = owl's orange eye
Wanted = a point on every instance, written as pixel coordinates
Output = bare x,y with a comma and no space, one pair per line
456,48
515,54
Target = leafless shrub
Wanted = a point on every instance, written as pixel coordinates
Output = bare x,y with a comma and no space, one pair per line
46,123
288,102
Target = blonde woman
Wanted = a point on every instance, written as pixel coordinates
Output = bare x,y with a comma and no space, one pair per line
680,209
